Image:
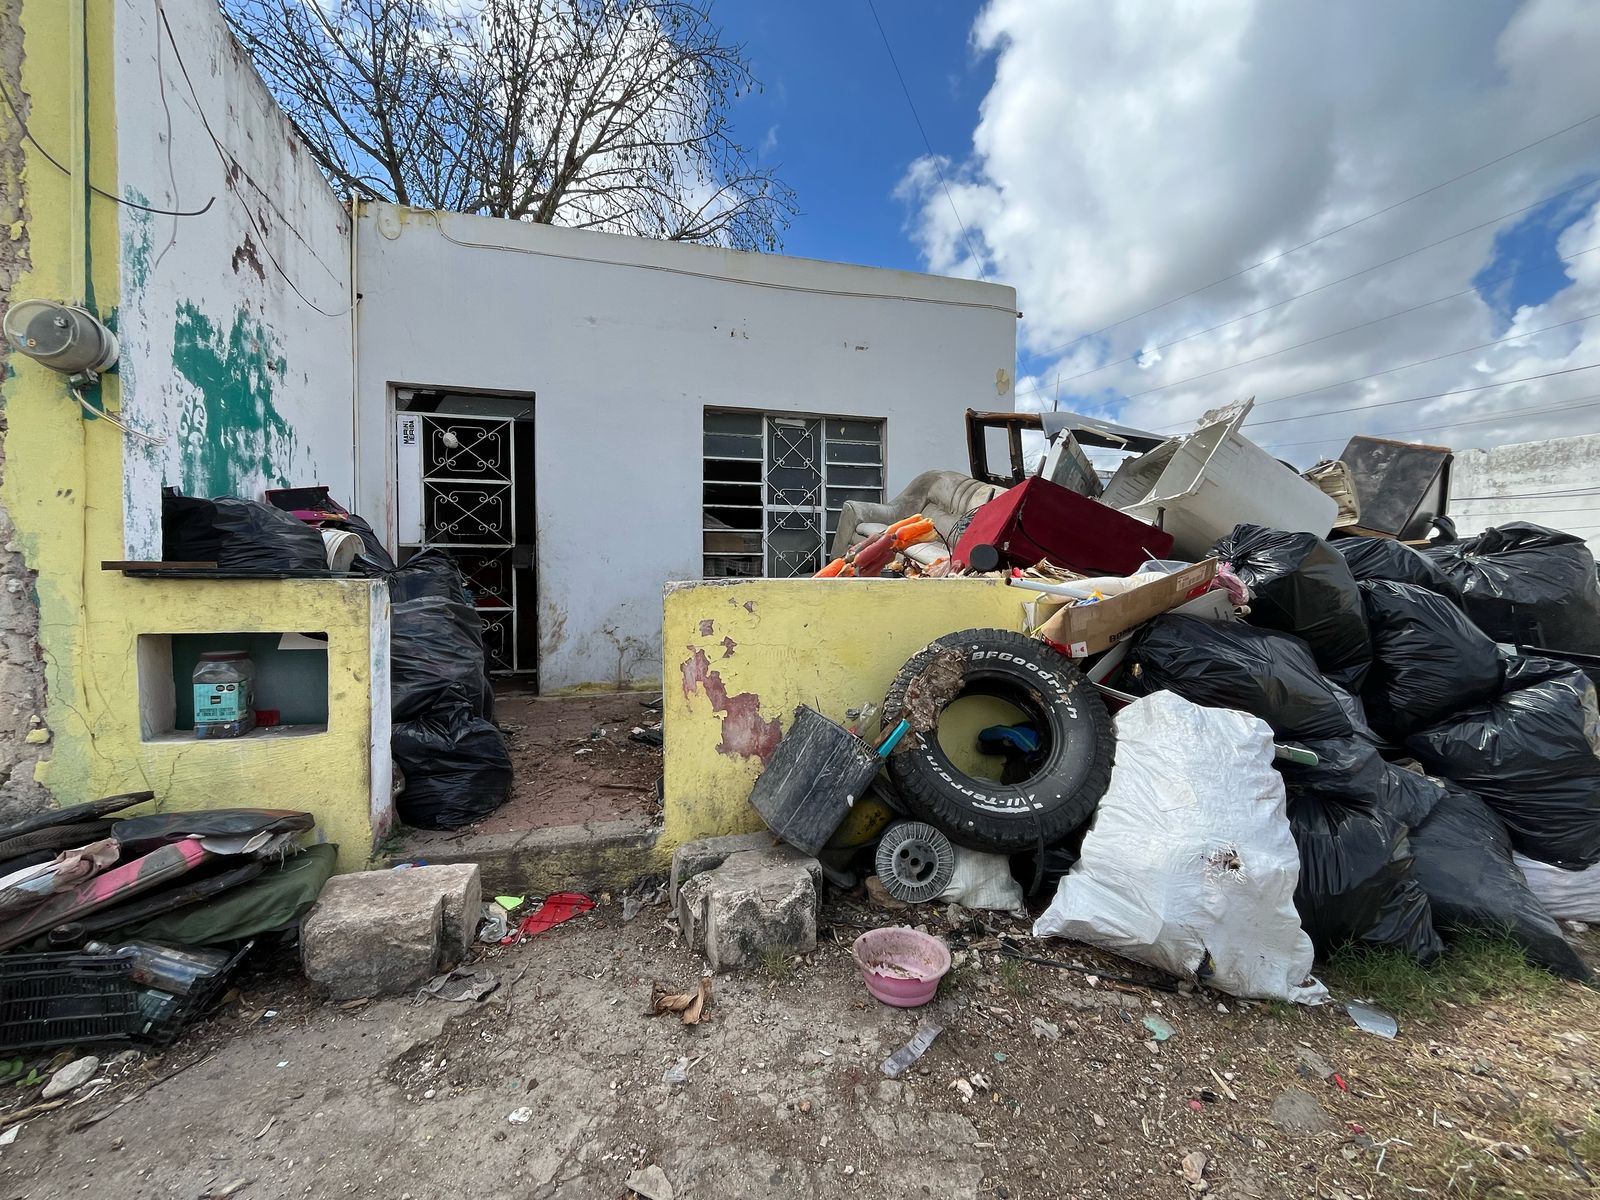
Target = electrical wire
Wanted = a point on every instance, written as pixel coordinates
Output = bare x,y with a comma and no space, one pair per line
1467,291
926,142
227,172
1322,236
16,113
1482,387
501,247
112,420
1513,337
1591,400
1319,288
1550,495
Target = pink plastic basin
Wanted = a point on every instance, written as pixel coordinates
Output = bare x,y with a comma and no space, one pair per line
901,966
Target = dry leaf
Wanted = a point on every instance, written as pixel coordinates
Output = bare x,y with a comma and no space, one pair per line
690,1006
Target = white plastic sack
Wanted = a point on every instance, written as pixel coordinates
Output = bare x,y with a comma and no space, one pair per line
1191,857
983,881
1566,895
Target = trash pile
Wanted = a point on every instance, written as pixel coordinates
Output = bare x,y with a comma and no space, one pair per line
125,929
1235,739
450,757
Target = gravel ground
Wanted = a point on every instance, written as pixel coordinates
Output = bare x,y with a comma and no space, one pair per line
1044,1083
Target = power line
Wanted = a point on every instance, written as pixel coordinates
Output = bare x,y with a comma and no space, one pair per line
227,172
928,144
1482,387
1467,291
1324,286
1513,337
16,113
1321,236
1591,400
1550,495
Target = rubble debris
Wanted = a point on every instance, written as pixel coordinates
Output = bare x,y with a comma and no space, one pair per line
650,1183
1296,1110
754,902
70,1077
379,933
1193,1168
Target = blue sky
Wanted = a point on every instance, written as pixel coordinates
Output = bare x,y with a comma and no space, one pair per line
838,123
1106,162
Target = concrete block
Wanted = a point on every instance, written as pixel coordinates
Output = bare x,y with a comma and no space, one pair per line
754,902
372,934
460,885
707,854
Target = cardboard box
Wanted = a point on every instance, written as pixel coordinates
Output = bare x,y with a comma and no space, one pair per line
1087,629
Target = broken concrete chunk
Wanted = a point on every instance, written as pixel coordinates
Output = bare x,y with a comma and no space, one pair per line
461,886
70,1077
707,854
756,902
1298,1111
373,934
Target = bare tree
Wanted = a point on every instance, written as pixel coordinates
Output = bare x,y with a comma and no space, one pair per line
599,114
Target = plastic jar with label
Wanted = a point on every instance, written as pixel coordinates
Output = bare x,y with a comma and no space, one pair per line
224,694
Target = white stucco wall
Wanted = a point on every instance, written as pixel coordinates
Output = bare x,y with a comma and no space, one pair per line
247,381
1550,483
624,342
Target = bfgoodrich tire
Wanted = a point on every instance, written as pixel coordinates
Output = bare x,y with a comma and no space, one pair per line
1074,726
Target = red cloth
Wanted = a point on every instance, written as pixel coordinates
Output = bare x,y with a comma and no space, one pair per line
558,907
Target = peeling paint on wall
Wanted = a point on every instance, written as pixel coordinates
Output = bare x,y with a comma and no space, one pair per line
229,429
745,733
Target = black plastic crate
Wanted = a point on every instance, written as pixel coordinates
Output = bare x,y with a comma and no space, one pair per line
71,998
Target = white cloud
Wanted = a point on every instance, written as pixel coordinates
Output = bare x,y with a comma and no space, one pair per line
1131,153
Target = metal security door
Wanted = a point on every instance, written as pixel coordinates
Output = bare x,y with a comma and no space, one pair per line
456,477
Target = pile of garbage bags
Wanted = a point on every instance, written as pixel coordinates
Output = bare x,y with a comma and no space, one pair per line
1375,658
449,755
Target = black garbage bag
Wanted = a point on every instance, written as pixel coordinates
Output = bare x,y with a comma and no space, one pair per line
1462,856
1385,558
436,653
237,535
1428,659
429,572
1527,585
1350,817
1533,755
1228,664
455,765
1300,584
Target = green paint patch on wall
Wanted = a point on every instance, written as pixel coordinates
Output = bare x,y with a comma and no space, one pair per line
233,439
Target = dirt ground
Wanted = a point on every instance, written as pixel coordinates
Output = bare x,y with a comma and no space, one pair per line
573,760
553,1087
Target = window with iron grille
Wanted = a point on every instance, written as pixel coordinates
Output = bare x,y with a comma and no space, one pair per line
774,485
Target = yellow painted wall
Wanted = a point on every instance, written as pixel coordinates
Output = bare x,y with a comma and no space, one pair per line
63,489
830,643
